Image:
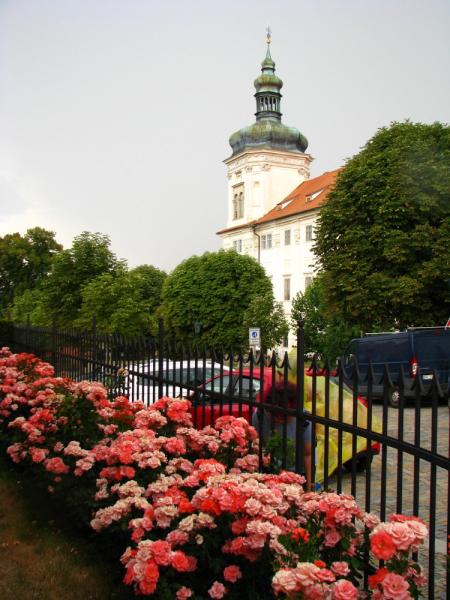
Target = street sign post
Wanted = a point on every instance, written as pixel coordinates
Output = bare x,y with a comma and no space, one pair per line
254,336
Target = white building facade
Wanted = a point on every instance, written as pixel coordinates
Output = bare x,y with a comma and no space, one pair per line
272,202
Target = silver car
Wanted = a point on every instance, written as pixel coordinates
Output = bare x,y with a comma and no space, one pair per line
178,379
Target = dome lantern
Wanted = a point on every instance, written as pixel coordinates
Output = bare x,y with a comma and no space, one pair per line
268,131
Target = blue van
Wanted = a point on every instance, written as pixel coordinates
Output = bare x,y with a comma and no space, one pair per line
424,348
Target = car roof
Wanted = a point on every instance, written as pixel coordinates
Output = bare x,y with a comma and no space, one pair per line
168,364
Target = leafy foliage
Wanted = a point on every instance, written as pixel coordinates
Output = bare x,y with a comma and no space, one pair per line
150,282
89,257
24,262
325,335
122,303
28,304
382,235
215,289
89,280
267,314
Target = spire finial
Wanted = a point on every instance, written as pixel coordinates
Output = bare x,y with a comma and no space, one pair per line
269,33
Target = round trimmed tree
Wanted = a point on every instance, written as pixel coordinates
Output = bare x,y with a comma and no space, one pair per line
214,289
383,234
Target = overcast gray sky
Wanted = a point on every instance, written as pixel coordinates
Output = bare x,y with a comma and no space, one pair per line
115,114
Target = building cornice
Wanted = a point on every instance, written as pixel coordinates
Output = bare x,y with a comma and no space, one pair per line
279,157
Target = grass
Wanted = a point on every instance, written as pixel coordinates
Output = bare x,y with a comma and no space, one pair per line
43,556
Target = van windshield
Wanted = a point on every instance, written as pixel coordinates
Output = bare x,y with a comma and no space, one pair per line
349,355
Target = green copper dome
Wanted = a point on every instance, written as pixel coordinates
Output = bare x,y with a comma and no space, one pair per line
268,131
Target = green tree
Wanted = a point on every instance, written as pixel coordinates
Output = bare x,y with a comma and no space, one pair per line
89,257
215,289
30,303
123,302
325,335
382,235
24,262
150,283
267,314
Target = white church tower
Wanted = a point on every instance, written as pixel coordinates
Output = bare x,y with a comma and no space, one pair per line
268,159
273,203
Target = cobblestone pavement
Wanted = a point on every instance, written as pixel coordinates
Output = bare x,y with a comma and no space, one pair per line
407,479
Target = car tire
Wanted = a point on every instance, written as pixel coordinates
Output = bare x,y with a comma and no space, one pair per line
362,463
394,397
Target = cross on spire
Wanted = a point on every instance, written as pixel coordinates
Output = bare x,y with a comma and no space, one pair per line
269,33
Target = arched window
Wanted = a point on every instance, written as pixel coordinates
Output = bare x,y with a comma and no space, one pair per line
241,204
235,207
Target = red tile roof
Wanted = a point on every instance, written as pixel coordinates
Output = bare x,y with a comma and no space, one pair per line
309,195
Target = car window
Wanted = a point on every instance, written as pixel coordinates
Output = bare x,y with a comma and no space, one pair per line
242,387
392,349
209,372
217,384
432,347
186,375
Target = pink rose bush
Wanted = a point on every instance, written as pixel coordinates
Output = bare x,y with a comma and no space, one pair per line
197,518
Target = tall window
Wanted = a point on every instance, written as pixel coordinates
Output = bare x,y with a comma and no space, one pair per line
241,205
266,241
237,245
287,237
309,233
287,288
238,206
286,341
235,207
307,281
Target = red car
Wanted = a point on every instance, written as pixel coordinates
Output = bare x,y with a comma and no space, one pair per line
207,406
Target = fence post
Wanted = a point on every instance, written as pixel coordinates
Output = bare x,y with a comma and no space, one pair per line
27,334
54,344
94,348
160,357
300,387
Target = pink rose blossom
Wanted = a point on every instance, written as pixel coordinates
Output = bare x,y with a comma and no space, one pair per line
232,573
218,590
344,590
341,569
401,534
331,539
183,593
318,591
395,587
419,529
371,521
306,573
161,552
180,561
284,581
382,545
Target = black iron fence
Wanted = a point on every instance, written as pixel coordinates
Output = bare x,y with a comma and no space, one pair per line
389,459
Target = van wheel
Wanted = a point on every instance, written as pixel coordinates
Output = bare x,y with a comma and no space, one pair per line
394,397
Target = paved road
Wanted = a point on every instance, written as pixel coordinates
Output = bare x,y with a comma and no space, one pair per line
407,479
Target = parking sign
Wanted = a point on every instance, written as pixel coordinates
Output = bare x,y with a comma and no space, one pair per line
254,337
